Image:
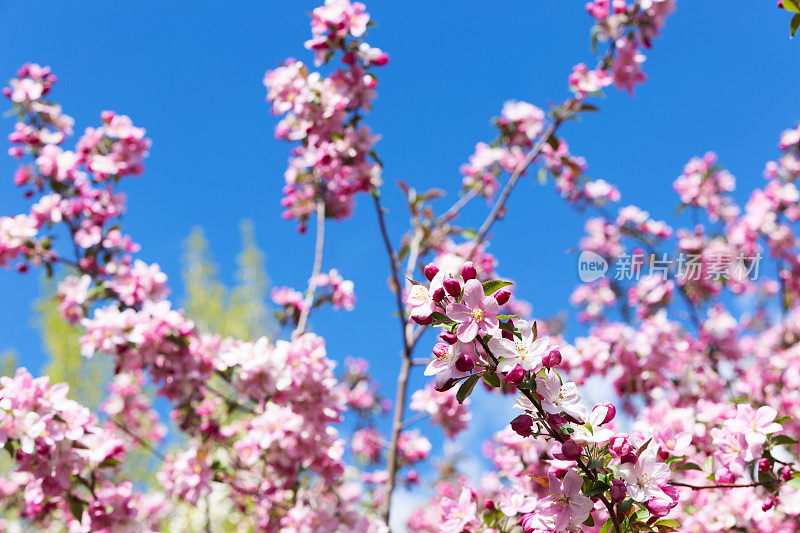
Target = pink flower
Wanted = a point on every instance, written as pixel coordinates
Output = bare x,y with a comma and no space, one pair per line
443,366
756,424
421,298
645,478
476,313
565,501
456,515
516,503
558,397
526,351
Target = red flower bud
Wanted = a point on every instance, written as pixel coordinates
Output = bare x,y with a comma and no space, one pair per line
468,271
464,363
430,271
764,465
768,503
488,504
502,296
422,320
449,338
786,473
523,425
552,359
438,295
570,450
452,286
516,375
611,411
618,490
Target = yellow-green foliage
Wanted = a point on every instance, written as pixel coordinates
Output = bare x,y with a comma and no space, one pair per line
239,312
86,377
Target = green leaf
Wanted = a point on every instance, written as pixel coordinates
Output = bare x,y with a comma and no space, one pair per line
76,507
791,5
783,439
505,326
493,285
794,24
687,466
466,388
469,233
491,378
441,319
782,419
668,522
794,483
598,487
506,317
541,176
607,526
589,521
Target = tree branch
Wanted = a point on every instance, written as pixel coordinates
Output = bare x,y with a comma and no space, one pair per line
312,283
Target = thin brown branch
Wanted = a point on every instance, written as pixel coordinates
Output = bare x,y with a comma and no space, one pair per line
721,485
392,463
498,206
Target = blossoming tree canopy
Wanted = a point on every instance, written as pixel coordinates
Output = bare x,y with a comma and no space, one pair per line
268,433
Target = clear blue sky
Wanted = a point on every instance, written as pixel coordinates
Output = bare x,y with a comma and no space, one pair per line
723,77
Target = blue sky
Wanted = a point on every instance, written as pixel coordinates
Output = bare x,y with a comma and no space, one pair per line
723,77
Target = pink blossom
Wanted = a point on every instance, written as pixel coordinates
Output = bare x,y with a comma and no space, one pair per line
476,313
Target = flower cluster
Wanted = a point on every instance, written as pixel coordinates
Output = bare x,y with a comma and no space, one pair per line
334,159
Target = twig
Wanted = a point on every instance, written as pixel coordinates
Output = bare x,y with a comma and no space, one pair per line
392,463
312,283
501,200
414,419
721,485
143,443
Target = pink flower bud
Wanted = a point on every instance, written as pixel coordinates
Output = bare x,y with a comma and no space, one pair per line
786,473
552,359
502,297
381,59
764,465
464,363
659,507
440,349
449,338
621,449
438,295
516,375
488,504
610,410
618,491
452,286
523,425
468,271
507,335
430,271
